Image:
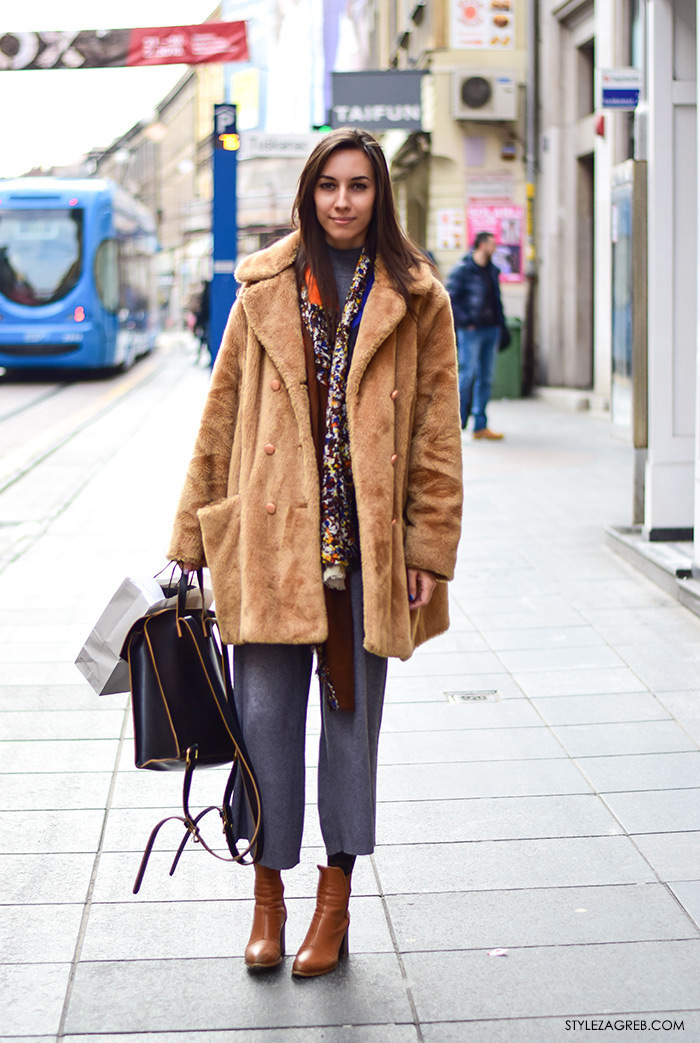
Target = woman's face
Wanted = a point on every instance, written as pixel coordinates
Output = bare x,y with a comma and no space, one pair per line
344,198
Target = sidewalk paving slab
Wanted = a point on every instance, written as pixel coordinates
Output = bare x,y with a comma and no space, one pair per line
54,791
446,780
45,878
633,707
656,811
495,818
118,996
493,864
563,981
538,916
673,856
33,996
554,1030
645,771
155,929
199,879
590,740
688,894
384,1033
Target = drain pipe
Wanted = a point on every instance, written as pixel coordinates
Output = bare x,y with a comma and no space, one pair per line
531,130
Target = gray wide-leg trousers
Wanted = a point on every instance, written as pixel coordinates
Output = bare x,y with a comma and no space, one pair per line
271,685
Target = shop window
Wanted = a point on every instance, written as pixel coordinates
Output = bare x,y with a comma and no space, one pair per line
585,55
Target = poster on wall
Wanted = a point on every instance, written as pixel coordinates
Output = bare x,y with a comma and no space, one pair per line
450,229
482,25
505,223
498,187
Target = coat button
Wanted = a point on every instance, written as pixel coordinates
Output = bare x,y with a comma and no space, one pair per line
275,384
270,508
395,394
393,521
394,458
269,449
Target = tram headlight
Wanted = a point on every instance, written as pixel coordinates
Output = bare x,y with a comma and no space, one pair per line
79,314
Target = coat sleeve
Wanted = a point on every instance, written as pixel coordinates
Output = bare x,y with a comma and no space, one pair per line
433,511
455,290
208,471
499,300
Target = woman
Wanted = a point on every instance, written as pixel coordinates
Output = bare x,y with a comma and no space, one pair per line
324,495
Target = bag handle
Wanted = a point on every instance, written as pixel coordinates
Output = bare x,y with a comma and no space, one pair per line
182,589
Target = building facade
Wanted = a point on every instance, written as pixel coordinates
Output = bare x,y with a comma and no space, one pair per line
617,232
464,171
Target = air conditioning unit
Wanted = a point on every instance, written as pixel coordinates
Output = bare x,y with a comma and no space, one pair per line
484,95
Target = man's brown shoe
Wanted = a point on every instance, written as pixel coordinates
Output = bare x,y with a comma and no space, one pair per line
484,432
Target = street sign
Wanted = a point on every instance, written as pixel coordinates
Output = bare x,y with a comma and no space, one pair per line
225,135
620,89
281,146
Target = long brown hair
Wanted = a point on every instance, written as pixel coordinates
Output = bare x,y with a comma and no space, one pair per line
385,237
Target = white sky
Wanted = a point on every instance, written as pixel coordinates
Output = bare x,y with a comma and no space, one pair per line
53,117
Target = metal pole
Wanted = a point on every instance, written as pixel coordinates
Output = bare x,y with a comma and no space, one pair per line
224,223
531,122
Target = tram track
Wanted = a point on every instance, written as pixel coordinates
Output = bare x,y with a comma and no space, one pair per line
40,481
24,407
34,430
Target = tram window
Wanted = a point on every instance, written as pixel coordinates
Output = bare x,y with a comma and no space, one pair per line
41,254
133,285
107,275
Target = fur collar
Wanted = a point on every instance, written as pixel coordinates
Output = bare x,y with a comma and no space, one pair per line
267,263
270,300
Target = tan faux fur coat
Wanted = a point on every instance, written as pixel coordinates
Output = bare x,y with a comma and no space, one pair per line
250,505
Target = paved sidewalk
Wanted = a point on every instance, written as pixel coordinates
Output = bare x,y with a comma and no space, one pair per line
539,783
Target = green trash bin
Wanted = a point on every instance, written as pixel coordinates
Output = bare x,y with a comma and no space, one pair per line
508,373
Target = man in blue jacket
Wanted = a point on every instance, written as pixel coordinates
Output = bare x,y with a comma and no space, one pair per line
478,313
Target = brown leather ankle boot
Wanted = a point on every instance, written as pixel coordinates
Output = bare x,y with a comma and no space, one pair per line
327,938
266,945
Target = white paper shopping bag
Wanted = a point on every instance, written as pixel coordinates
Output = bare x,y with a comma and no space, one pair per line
100,659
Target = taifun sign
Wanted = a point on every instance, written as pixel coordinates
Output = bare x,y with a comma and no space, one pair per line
377,100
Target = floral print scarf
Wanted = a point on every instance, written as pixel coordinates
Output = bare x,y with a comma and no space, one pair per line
339,541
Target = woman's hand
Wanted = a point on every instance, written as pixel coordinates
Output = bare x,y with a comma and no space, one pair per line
421,585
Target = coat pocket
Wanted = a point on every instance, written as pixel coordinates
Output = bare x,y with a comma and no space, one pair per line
221,528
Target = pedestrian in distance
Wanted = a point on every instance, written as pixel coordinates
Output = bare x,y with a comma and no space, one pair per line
479,320
324,495
202,320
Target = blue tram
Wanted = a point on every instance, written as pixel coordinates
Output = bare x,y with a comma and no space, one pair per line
77,275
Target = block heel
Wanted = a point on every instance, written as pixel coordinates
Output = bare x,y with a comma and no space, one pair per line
326,941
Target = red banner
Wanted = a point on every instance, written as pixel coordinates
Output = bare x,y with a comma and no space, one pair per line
110,48
189,44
